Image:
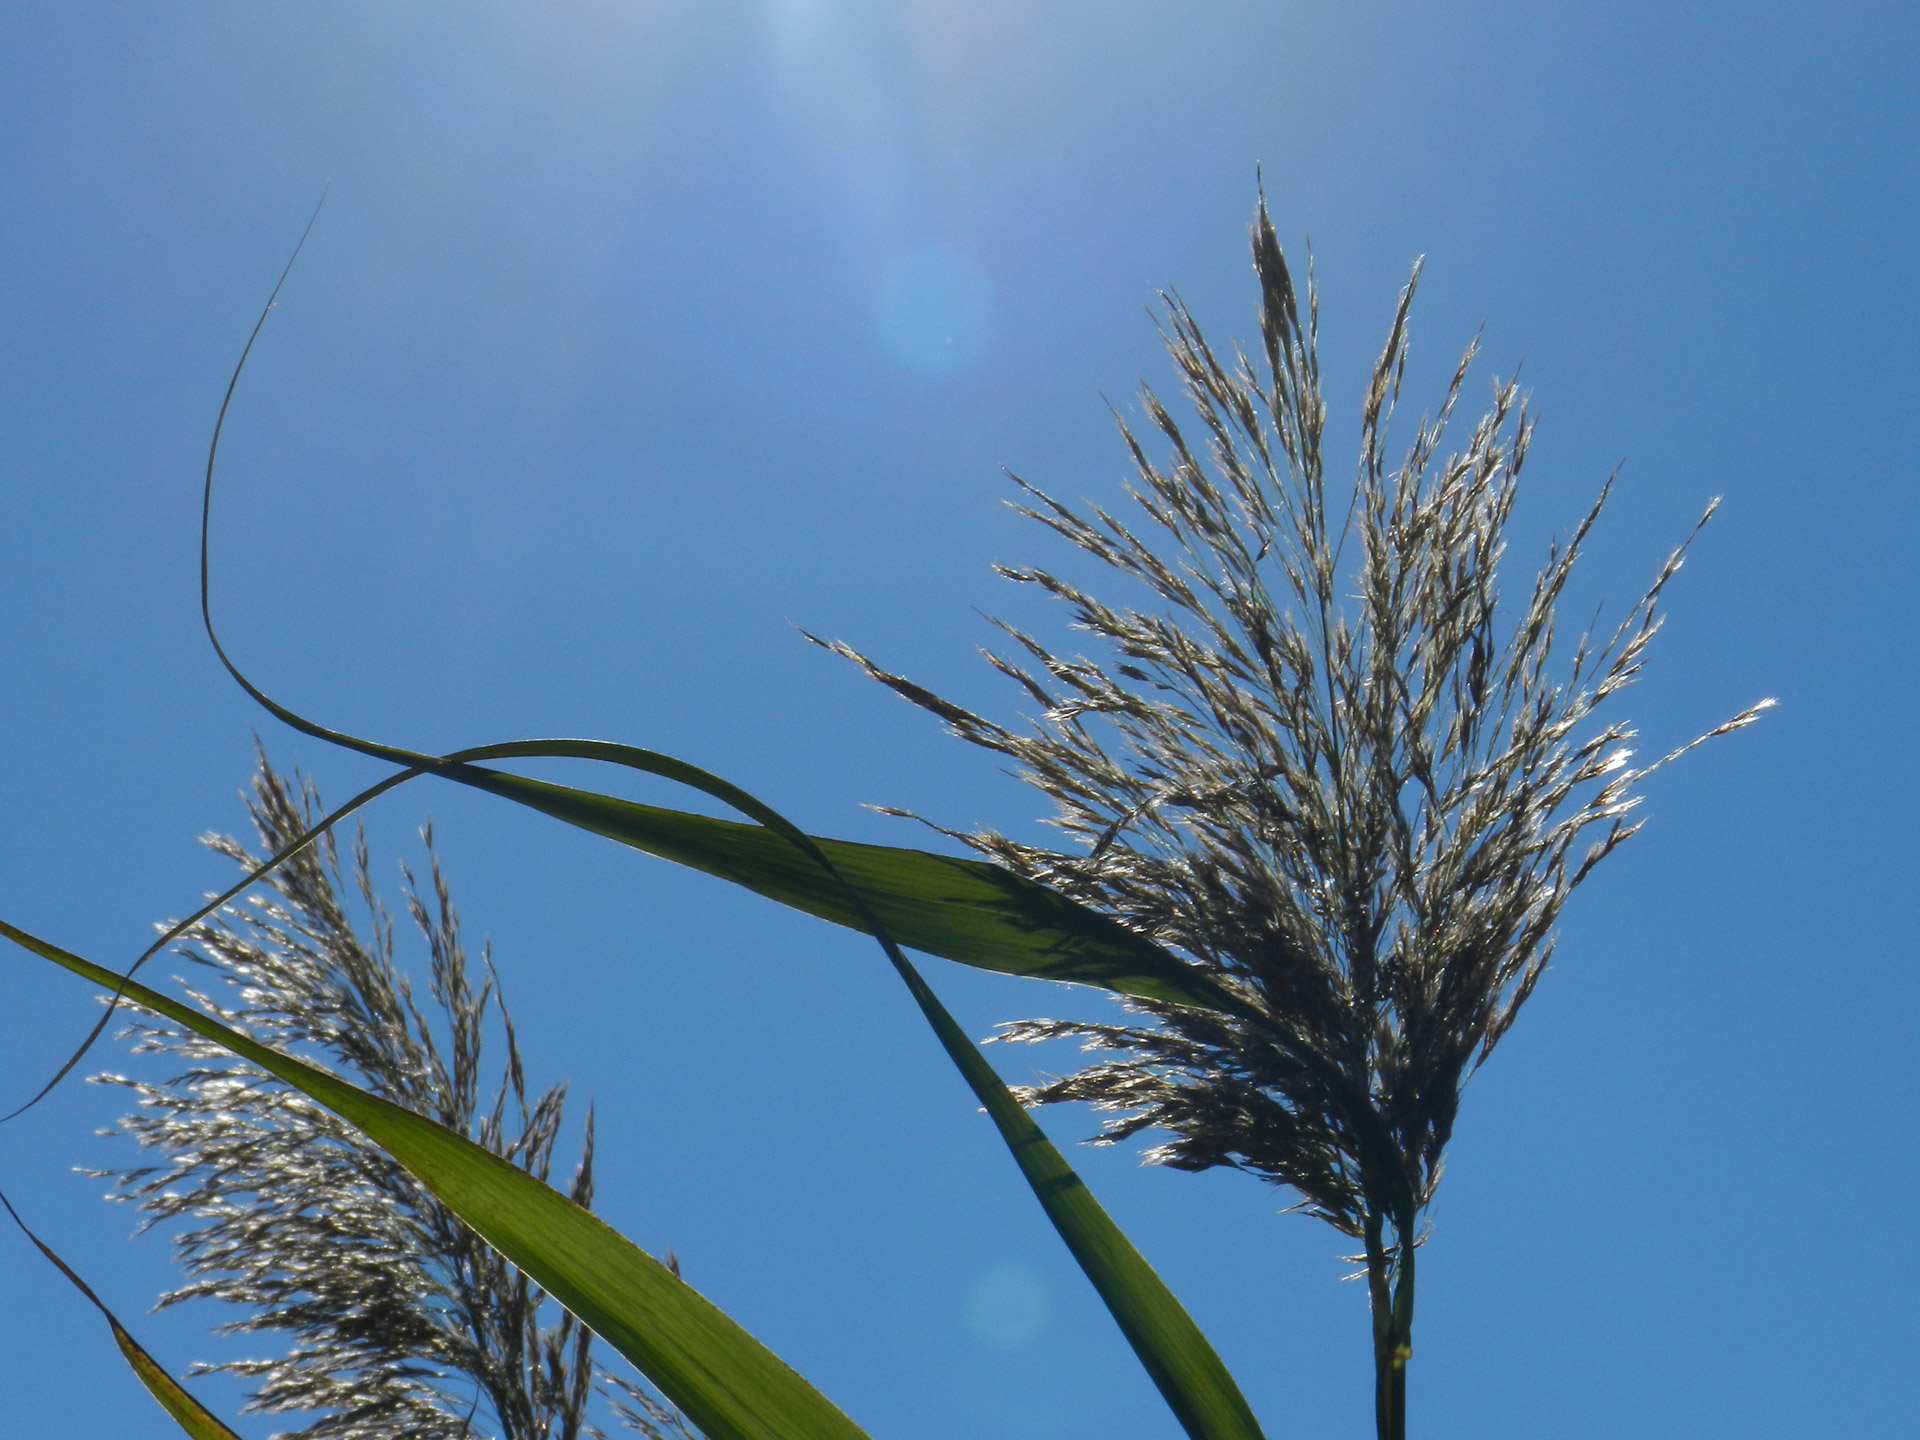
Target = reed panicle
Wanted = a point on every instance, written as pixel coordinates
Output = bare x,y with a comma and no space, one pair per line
1324,761
399,1320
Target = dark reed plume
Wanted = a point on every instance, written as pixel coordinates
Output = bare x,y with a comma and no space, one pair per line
1326,764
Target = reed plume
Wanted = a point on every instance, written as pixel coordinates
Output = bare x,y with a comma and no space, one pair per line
1318,755
399,1320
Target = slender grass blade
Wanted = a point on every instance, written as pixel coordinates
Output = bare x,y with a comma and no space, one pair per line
958,909
727,1383
1181,1361
192,1417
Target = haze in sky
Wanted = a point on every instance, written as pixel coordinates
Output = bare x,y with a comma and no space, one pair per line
633,336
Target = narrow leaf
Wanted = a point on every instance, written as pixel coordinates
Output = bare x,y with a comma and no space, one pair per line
1181,1361
1191,1377
966,910
728,1383
963,910
192,1417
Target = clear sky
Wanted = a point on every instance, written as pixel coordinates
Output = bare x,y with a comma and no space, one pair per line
634,335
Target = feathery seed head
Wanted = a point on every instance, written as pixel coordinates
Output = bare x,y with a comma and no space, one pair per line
399,1320
1325,762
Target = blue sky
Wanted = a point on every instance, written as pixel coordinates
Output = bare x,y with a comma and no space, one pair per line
635,335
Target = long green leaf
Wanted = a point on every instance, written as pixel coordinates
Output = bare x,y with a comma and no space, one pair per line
1181,1361
192,1417
971,911
966,910
728,1383
1191,1377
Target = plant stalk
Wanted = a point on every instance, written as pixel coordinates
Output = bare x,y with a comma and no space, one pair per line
1390,1291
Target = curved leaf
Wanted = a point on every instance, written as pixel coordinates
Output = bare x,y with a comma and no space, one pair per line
958,909
192,1417
1183,1364
972,911
963,910
728,1383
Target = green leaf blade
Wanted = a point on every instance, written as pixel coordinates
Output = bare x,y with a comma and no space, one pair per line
958,909
1175,1352
962,910
191,1416
966,910
980,914
188,1413
727,1382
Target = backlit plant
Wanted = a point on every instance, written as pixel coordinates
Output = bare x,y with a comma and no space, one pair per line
1322,798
